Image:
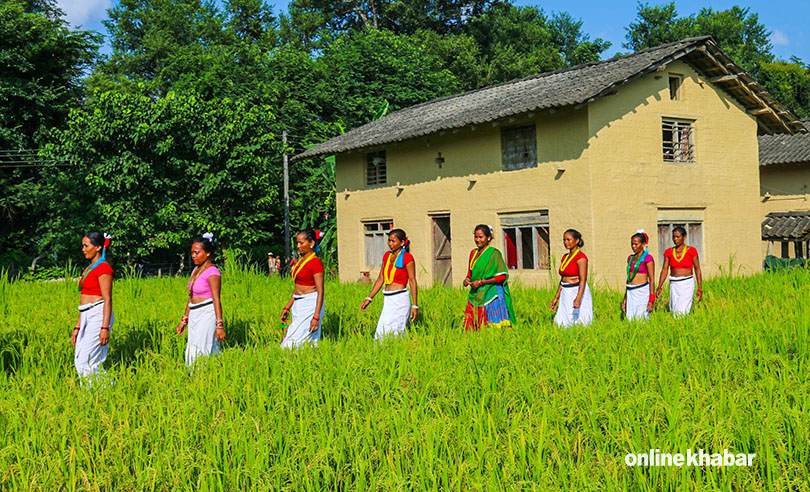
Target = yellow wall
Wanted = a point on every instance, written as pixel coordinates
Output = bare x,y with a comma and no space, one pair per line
634,182
600,170
789,188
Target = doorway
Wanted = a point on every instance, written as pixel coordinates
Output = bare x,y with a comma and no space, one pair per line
442,251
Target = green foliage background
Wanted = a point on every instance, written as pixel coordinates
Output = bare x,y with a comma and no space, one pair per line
177,130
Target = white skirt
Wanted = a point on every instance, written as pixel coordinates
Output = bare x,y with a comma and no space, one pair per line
89,354
566,314
303,310
681,293
202,326
638,296
394,315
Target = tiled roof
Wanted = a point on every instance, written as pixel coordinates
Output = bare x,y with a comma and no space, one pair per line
786,226
571,86
785,149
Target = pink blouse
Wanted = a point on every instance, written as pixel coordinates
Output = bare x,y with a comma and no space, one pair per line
201,288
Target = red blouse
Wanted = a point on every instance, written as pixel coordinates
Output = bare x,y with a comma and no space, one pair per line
400,274
686,263
572,269
306,276
90,285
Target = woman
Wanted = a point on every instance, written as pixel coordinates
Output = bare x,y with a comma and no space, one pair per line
204,308
639,299
680,262
92,331
307,300
489,301
398,270
573,294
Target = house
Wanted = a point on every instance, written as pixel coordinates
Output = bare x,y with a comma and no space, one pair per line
659,138
784,178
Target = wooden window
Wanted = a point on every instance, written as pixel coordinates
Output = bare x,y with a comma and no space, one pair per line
376,241
799,247
518,147
785,249
376,169
675,87
694,236
679,140
526,240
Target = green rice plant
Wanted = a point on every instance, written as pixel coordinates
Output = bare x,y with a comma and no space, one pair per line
533,407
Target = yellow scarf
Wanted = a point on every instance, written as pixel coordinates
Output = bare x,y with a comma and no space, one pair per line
675,253
568,258
298,266
389,276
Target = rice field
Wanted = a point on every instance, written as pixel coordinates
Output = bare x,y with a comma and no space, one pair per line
528,408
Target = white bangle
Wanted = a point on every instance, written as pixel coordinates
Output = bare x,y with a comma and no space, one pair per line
414,306
369,299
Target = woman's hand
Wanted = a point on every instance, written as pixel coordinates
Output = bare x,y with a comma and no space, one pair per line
364,304
314,324
104,336
466,282
577,302
220,334
285,313
181,327
74,335
650,307
624,304
554,303
414,314
658,291
699,295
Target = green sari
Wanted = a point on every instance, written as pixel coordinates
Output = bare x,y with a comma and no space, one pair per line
490,264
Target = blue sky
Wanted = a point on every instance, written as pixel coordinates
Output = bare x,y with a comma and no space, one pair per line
786,19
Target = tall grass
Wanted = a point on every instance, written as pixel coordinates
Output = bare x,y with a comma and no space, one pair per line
528,408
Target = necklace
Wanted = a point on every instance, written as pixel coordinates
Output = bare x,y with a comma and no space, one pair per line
298,266
568,258
87,271
194,276
476,257
675,253
638,261
390,272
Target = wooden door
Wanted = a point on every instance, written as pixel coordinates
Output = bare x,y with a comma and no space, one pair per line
442,251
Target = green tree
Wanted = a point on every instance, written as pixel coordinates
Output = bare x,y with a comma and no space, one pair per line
154,171
789,83
41,63
737,31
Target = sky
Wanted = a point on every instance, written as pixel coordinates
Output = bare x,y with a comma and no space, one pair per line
786,19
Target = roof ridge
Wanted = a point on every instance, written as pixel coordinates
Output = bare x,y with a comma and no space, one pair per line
553,72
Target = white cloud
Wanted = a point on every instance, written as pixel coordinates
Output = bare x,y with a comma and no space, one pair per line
80,12
778,38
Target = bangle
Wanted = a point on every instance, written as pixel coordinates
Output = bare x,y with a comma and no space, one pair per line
286,309
700,290
105,328
77,328
369,299
219,323
414,306
184,320
315,319
652,297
